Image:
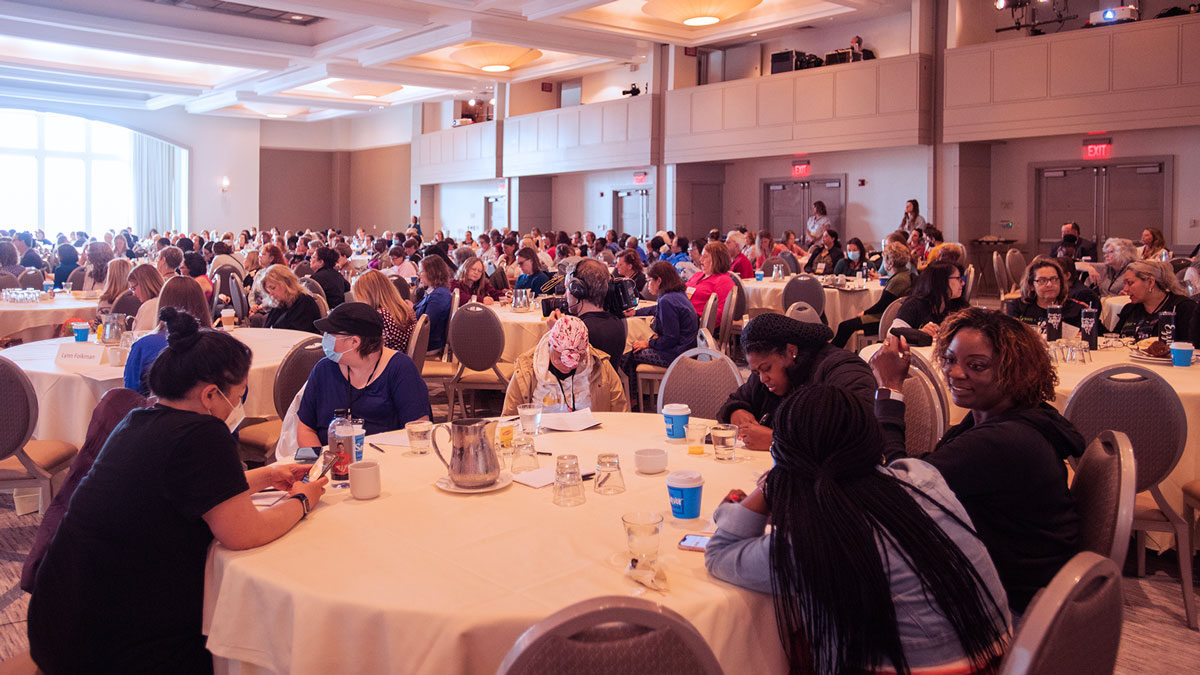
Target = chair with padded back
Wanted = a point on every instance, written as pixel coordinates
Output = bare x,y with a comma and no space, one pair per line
741,308
256,442
969,278
440,369
302,269
322,306
238,300
943,393
1014,262
802,311
31,278
24,462
708,319
807,288
704,339
889,317
499,279
1073,625
402,287
1103,490
314,288
793,265
1001,274
76,278
220,278
611,634
1157,429
725,329
8,281
769,264
649,377
126,303
701,378
477,339
925,418
1179,265
418,342
608,257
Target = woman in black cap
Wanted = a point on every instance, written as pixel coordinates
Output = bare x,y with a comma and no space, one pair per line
379,385
785,354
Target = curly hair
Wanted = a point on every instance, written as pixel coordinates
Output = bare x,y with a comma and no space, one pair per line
1022,364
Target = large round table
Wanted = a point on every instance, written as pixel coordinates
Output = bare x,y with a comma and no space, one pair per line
16,317
523,330
840,304
423,581
66,399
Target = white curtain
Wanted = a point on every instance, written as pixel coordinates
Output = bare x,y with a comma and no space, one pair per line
157,172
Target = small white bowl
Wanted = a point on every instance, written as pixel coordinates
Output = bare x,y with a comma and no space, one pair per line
650,460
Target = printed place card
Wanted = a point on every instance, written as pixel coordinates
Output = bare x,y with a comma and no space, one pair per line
77,356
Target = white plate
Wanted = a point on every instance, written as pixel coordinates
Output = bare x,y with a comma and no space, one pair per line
1158,360
444,483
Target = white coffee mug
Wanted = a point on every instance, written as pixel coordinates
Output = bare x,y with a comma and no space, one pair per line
365,480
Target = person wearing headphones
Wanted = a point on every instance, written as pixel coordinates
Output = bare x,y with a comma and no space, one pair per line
587,285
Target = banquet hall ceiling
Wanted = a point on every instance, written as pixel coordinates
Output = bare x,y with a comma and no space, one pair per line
317,59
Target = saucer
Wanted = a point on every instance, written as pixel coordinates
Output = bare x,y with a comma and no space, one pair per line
444,483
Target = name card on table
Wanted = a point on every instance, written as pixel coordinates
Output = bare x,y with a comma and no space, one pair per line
77,356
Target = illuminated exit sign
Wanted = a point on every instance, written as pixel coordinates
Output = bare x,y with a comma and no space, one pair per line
800,168
1097,148
639,178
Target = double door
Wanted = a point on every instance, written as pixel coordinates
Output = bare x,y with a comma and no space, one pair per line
631,213
1117,199
495,213
787,204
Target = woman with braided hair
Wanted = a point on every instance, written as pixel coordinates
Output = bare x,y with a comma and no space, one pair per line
872,568
785,354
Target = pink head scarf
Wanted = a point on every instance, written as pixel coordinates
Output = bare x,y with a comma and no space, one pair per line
569,337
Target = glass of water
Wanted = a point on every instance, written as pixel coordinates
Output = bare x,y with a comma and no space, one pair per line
531,417
724,440
643,530
419,435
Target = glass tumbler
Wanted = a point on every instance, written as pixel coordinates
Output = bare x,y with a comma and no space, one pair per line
609,480
724,440
568,483
524,455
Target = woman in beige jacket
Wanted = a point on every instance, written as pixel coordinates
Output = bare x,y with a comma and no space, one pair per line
564,373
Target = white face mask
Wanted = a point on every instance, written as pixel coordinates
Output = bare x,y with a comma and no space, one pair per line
236,415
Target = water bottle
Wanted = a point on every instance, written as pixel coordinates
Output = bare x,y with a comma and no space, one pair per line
341,441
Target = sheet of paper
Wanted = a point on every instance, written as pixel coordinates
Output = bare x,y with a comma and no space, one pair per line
572,421
390,438
538,478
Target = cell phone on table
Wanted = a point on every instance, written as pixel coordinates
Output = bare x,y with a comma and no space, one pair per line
321,467
694,542
307,455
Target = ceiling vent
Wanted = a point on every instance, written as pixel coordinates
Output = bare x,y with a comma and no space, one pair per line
239,9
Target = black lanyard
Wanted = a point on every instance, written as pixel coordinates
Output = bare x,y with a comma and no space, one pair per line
350,397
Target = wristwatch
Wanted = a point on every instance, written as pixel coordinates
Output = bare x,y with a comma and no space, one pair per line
886,394
303,503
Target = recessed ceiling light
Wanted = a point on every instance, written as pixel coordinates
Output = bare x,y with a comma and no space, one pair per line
754,35
701,21
277,116
492,102
298,17
471,103
495,68
365,97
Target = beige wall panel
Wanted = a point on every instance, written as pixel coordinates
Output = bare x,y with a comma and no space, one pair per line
856,92
740,106
1145,58
814,98
678,112
474,142
591,121
641,118
1079,66
487,134
775,103
968,78
898,89
527,134
1189,37
706,110
547,130
568,128
460,146
616,123
1019,73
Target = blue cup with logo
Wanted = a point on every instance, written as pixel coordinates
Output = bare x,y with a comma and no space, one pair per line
758,275
684,490
1181,354
676,416
81,330
48,286
360,437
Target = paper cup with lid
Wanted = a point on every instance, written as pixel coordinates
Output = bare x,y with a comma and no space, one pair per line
684,489
676,416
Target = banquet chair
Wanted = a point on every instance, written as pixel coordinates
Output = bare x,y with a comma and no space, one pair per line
770,263
8,281
302,269
608,635
1180,265
499,280
438,370
1001,273
741,307
1082,605
701,378
314,288
803,312
322,305
1014,260
889,317
112,408
970,276
1191,504
127,303
23,462
608,257
477,339
925,417
256,442
1103,490
402,287
725,329
418,342
807,288
793,265
708,319
927,367
704,339
76,278
649,378
31,278
1141,404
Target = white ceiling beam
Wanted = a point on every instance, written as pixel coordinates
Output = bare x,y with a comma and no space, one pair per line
160,102
290,80
416,45
560,39
318,116
413,77
308,102
114,82
370,13
552,9
210,102
73,97
356,40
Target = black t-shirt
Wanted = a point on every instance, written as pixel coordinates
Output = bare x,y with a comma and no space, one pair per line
122,585
299,315
334,285
606,332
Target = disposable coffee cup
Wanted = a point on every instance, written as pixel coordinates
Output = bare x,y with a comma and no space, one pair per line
676,415
81,330
228,317
758,275
684,489
365,480
1181,354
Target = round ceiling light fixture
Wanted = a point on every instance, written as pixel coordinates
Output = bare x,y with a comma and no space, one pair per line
363,90
495,58
698,12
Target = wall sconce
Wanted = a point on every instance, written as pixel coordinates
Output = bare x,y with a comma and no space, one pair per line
224,183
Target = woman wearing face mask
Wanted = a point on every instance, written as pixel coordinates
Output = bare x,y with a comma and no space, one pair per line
855,260
785,355
121,587
378,385
564,373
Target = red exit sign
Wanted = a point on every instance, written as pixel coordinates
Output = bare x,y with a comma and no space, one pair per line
800,169
639,178
1097,148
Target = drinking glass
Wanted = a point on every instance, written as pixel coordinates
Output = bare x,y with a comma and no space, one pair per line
642,533
568,482
67,286
524,455
724,438
609,480
531,417
419,434
695,437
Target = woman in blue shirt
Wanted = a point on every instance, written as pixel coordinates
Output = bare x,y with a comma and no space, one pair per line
675,323
532,275
378,385
181,293
872,568
435,278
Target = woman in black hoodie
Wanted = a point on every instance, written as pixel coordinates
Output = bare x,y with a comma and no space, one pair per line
1004,461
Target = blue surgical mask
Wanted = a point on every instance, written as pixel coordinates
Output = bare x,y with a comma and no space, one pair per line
328,342
853,255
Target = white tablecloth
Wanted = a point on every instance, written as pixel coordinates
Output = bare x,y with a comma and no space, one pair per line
522,330
1110,307
66,399
16,317
360,261
839,304
422,581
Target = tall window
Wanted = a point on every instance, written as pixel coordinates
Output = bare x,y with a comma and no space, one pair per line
61,174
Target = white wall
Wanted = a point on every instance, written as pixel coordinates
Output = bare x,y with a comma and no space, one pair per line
584,201
460,206
886,36
892,175
608,84
374,129
975,22
1011,198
